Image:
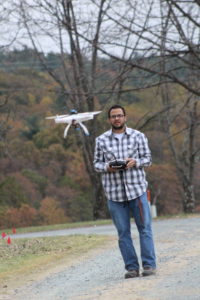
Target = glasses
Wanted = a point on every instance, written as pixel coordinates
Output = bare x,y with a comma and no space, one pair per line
116,117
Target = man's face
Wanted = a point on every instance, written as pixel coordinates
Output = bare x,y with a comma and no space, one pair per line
117,118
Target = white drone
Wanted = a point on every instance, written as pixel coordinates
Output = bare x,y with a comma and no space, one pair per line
75,119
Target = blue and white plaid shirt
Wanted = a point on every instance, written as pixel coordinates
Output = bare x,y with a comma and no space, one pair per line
132,182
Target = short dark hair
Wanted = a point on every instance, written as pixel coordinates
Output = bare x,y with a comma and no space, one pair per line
115,107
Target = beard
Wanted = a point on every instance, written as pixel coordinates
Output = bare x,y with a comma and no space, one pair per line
118,127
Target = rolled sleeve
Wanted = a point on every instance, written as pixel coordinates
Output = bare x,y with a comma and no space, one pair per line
99,162
144,153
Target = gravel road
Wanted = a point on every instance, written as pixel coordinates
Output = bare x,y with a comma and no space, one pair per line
100,275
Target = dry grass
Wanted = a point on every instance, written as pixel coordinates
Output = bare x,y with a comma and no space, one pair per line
25,256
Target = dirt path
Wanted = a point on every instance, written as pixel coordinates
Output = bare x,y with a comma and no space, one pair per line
100,275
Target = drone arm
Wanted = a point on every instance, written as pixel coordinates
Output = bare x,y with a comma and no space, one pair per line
66,130
84,128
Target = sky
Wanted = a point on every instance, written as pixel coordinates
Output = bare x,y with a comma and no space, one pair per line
46,33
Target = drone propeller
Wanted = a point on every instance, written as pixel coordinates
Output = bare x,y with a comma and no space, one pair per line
63,116
53,117
58,116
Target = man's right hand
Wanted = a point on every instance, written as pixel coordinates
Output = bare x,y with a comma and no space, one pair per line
111,170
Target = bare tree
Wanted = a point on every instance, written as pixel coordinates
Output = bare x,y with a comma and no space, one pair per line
166,36
8,35
186,149
7,40
77,30
183,141
4,120
145,28
152,42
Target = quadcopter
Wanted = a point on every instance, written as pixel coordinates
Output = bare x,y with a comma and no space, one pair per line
75,119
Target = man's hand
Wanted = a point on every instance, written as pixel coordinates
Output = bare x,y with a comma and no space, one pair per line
130,163
111,170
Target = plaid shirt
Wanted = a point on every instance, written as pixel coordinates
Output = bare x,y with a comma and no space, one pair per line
130,183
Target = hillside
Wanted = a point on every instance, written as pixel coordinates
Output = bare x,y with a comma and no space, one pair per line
43,178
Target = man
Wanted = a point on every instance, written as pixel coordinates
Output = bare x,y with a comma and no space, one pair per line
126,189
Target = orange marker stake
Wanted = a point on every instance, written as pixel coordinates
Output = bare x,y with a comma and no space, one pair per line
14,230
3,235
149,196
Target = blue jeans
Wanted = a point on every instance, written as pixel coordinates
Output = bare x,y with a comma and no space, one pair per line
121,214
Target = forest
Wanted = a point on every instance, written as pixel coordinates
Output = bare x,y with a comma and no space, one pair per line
43,178
144,55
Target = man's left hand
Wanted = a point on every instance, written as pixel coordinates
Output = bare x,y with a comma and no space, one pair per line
130,163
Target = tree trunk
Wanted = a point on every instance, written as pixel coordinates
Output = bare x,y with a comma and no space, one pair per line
99,201
189,198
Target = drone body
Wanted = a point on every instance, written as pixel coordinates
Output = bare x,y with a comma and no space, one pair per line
75,119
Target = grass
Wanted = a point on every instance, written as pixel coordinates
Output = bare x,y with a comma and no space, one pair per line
58,226
29,256
178,216
85,224
25,256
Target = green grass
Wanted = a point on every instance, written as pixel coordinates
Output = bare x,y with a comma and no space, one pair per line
58,226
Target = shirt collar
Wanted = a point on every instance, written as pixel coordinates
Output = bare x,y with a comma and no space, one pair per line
127,131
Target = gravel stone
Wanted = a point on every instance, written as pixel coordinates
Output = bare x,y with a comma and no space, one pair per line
100,276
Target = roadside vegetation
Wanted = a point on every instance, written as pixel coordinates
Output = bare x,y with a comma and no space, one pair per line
9,231
58,226
26,258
